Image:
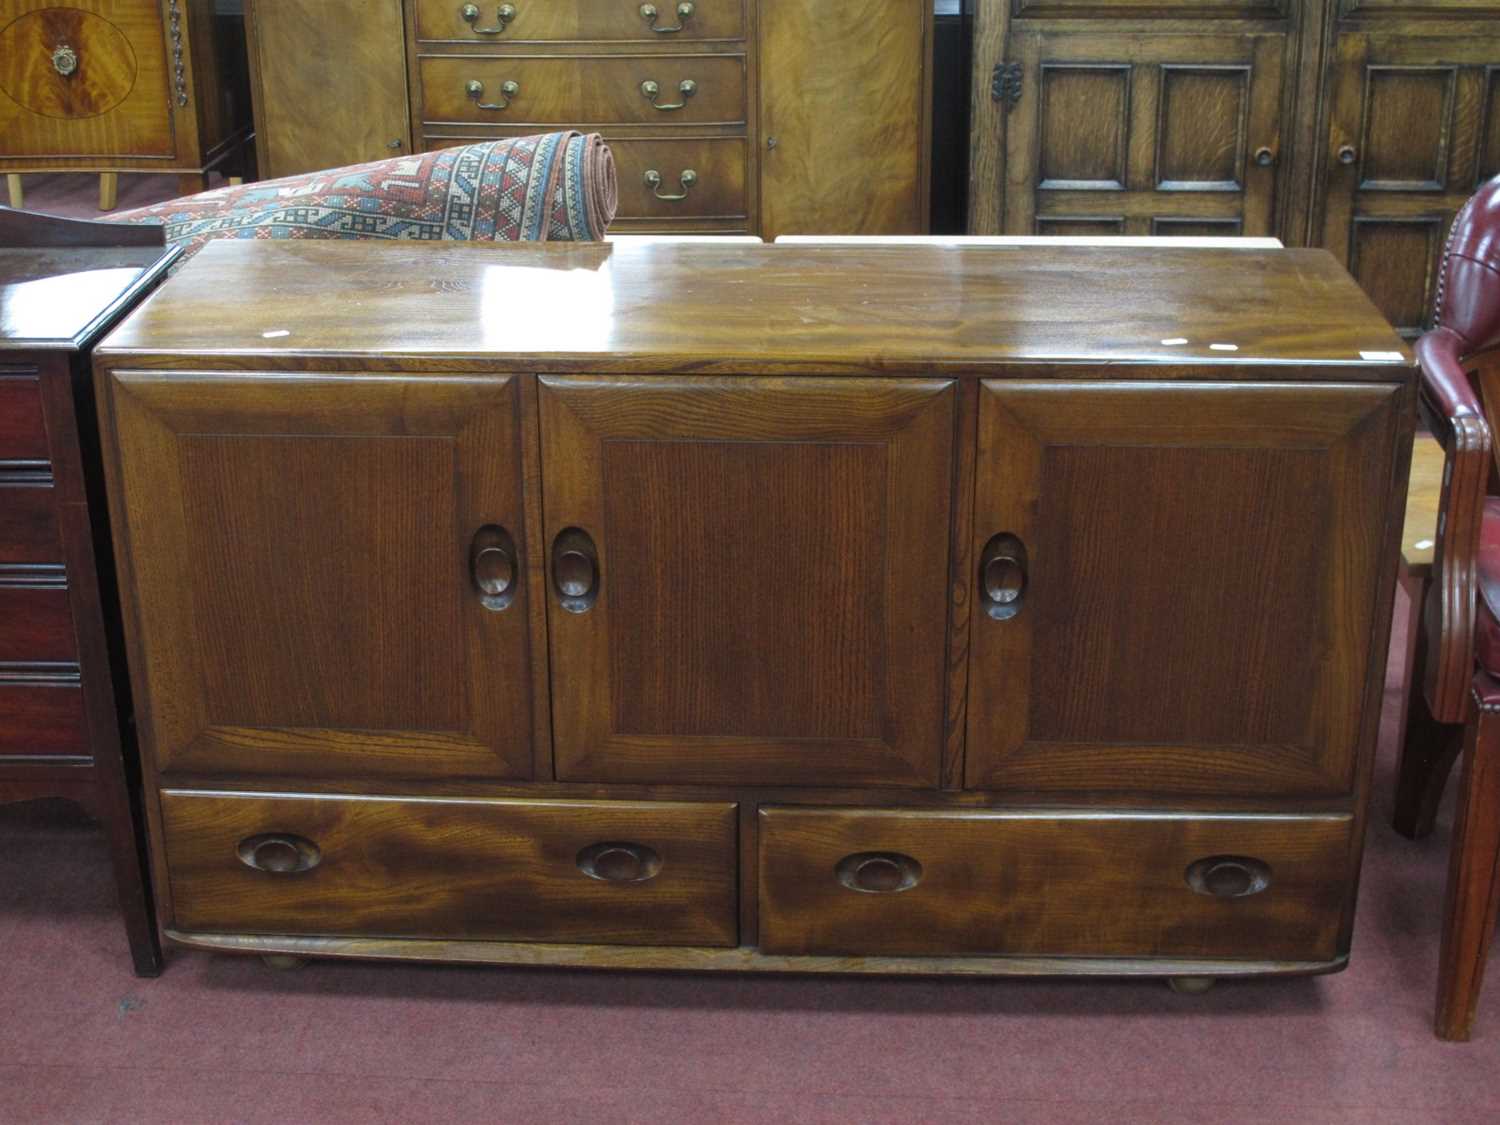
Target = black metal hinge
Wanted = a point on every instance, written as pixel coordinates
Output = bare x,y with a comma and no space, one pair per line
1005,87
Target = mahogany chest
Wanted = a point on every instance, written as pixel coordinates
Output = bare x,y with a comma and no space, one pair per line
902,609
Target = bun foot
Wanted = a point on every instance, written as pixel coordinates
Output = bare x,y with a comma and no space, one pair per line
1190,986
283,962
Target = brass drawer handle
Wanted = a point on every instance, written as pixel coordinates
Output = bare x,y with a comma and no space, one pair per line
687,180
1003,577
684,13
279,853
878,872
475,90
493,567
1228,876
65,60
470,13
687,88
619,863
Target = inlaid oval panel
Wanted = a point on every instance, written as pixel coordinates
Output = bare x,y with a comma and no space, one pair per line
65,62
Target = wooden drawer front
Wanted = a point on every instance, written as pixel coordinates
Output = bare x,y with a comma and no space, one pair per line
550,20
1150,9
578,91
1048,884
36,625
510,870
42,719
717,189
87,78
23,433
28,522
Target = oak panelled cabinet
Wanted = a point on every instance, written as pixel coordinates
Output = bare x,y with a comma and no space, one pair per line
1357,125
767,607
731,116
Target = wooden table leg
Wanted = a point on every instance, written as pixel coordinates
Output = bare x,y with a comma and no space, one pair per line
109,190
1473,871
17,196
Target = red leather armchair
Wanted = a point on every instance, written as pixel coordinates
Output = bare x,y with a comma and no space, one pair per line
1456,690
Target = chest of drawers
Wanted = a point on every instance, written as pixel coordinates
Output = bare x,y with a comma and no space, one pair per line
896,609
63,284
726,116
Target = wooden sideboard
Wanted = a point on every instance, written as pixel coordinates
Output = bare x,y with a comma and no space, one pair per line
903,609
1357,125
728,116
64,699
122,86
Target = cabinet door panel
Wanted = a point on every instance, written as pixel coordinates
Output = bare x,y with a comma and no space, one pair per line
1412,132
304,596
770,600
1144,130
1200,590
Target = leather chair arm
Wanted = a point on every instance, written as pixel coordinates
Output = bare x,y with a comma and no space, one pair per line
1458,421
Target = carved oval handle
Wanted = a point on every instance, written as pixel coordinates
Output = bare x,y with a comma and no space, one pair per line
1228,876
1003,576
509,90
575,570
1348,154
684,13
279,853
879,872
1265,157
493,566
687,180
687,88
470,14
64,60
619,863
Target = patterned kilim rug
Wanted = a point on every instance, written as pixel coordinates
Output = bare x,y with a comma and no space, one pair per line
557,186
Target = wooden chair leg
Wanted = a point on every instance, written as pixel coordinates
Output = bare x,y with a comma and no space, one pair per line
109,190
17,195
1428,748
1473,870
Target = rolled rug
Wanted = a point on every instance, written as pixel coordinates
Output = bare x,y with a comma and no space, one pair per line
551,186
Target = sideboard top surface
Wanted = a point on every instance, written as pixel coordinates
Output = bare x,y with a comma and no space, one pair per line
61,297
717,309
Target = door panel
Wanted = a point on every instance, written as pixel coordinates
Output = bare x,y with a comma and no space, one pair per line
764,595
1411,134
1144,129
1103,492
306,552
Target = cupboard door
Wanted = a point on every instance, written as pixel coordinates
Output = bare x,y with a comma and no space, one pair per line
1176,586
329,83
748,578
1413,130
1144,134
844,115
327,572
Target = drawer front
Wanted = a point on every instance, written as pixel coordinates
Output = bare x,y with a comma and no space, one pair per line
28,522
42,719
654,90
23,433
88,78
509,870
524,21
1052,884
36,625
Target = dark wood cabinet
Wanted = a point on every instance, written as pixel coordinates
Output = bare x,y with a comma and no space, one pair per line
857,609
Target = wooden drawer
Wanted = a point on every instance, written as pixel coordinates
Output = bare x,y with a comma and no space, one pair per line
23,432
28,522
105,95
512,870
550,20
36,626
42,719
1052,884
575,91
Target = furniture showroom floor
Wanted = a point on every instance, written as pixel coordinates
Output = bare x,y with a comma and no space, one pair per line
226,1039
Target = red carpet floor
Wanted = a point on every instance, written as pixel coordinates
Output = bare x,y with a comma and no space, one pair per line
224,1039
